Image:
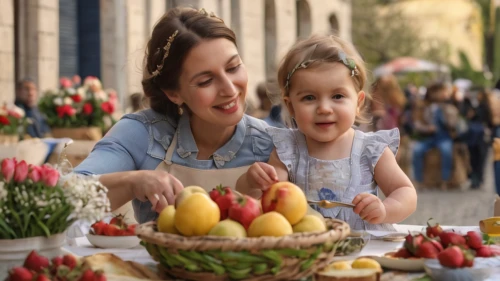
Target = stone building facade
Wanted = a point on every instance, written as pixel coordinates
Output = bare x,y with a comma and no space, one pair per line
46,39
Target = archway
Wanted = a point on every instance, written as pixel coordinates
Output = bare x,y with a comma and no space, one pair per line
334,24
304,26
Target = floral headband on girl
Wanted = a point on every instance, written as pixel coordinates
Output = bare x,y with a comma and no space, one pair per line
350,63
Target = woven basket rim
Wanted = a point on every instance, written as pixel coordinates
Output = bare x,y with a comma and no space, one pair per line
339,231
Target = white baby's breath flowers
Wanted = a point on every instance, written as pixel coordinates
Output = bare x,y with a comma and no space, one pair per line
87,196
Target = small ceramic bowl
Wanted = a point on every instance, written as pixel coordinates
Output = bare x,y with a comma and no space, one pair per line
117,242
483,269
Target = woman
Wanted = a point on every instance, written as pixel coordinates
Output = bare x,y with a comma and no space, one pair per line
196,132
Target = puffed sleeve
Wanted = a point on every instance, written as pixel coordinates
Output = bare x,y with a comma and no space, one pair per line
285,143
375,144
122,149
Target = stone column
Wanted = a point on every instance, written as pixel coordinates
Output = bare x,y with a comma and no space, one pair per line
113,47
7,51
46,40
250,40
136,44
38,42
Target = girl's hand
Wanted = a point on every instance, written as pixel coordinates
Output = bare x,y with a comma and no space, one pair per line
157,187
369,207
261,175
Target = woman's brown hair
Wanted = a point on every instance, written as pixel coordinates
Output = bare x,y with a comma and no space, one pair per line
324,49
192,27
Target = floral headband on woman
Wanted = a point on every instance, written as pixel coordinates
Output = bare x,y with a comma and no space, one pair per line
170,40
350,63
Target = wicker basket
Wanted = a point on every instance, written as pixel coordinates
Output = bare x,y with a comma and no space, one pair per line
204,258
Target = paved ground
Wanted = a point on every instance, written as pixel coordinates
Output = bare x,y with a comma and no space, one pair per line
456,207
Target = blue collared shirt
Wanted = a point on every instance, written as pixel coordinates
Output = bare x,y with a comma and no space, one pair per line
139,142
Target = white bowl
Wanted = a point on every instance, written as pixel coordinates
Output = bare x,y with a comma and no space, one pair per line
483,269
387,261
117,242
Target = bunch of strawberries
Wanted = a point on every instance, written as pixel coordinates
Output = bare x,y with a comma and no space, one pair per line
61,268
451,249
241,208
115,227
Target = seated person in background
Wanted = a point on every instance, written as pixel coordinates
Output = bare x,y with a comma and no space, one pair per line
27,99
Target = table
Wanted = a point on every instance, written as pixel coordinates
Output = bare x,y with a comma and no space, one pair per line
375,247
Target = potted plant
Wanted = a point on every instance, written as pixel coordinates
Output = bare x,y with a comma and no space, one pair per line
37,206
12,123
79,112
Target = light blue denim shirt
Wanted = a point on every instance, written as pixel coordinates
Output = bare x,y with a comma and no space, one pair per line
139,142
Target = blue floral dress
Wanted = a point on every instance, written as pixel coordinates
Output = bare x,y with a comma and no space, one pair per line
341,179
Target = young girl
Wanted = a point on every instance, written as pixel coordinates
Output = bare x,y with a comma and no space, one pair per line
321,81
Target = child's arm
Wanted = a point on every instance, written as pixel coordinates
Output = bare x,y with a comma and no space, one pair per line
401,197
262,175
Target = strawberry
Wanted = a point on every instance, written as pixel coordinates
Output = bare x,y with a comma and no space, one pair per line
473,240
224,198
118,220
20,274
437,244
451,257
402,253
70,261
433,231
99,276
130,231
111,230
484,252
413,242
451,238
42,277
98,227
88,275
468,258
36,262
56,262
427,250
244,210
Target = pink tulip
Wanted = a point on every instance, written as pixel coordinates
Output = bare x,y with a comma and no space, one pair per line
35,173
49,176
21,171
8,168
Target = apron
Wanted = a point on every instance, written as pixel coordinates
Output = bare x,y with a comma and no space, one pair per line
207,179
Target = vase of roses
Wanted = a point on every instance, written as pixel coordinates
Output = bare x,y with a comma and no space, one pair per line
37,205
80,112
12,123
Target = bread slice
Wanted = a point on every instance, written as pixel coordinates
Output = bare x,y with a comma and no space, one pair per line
361,274
113,265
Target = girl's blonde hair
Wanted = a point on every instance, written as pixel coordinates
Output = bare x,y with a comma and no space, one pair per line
322,48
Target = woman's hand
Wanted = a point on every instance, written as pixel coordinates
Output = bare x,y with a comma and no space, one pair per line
261,175
369,207
157,187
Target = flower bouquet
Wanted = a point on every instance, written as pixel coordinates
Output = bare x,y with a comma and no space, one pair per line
34,201
12,123
74,106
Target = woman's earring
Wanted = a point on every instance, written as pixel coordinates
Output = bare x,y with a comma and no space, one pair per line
180,110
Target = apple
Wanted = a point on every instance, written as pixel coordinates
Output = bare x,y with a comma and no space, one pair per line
287,199
188,191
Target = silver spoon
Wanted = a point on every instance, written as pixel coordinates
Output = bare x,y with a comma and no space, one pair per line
330,204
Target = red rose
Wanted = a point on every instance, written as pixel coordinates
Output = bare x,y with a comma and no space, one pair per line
65,110
4,120
108,107
76,98
87,109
